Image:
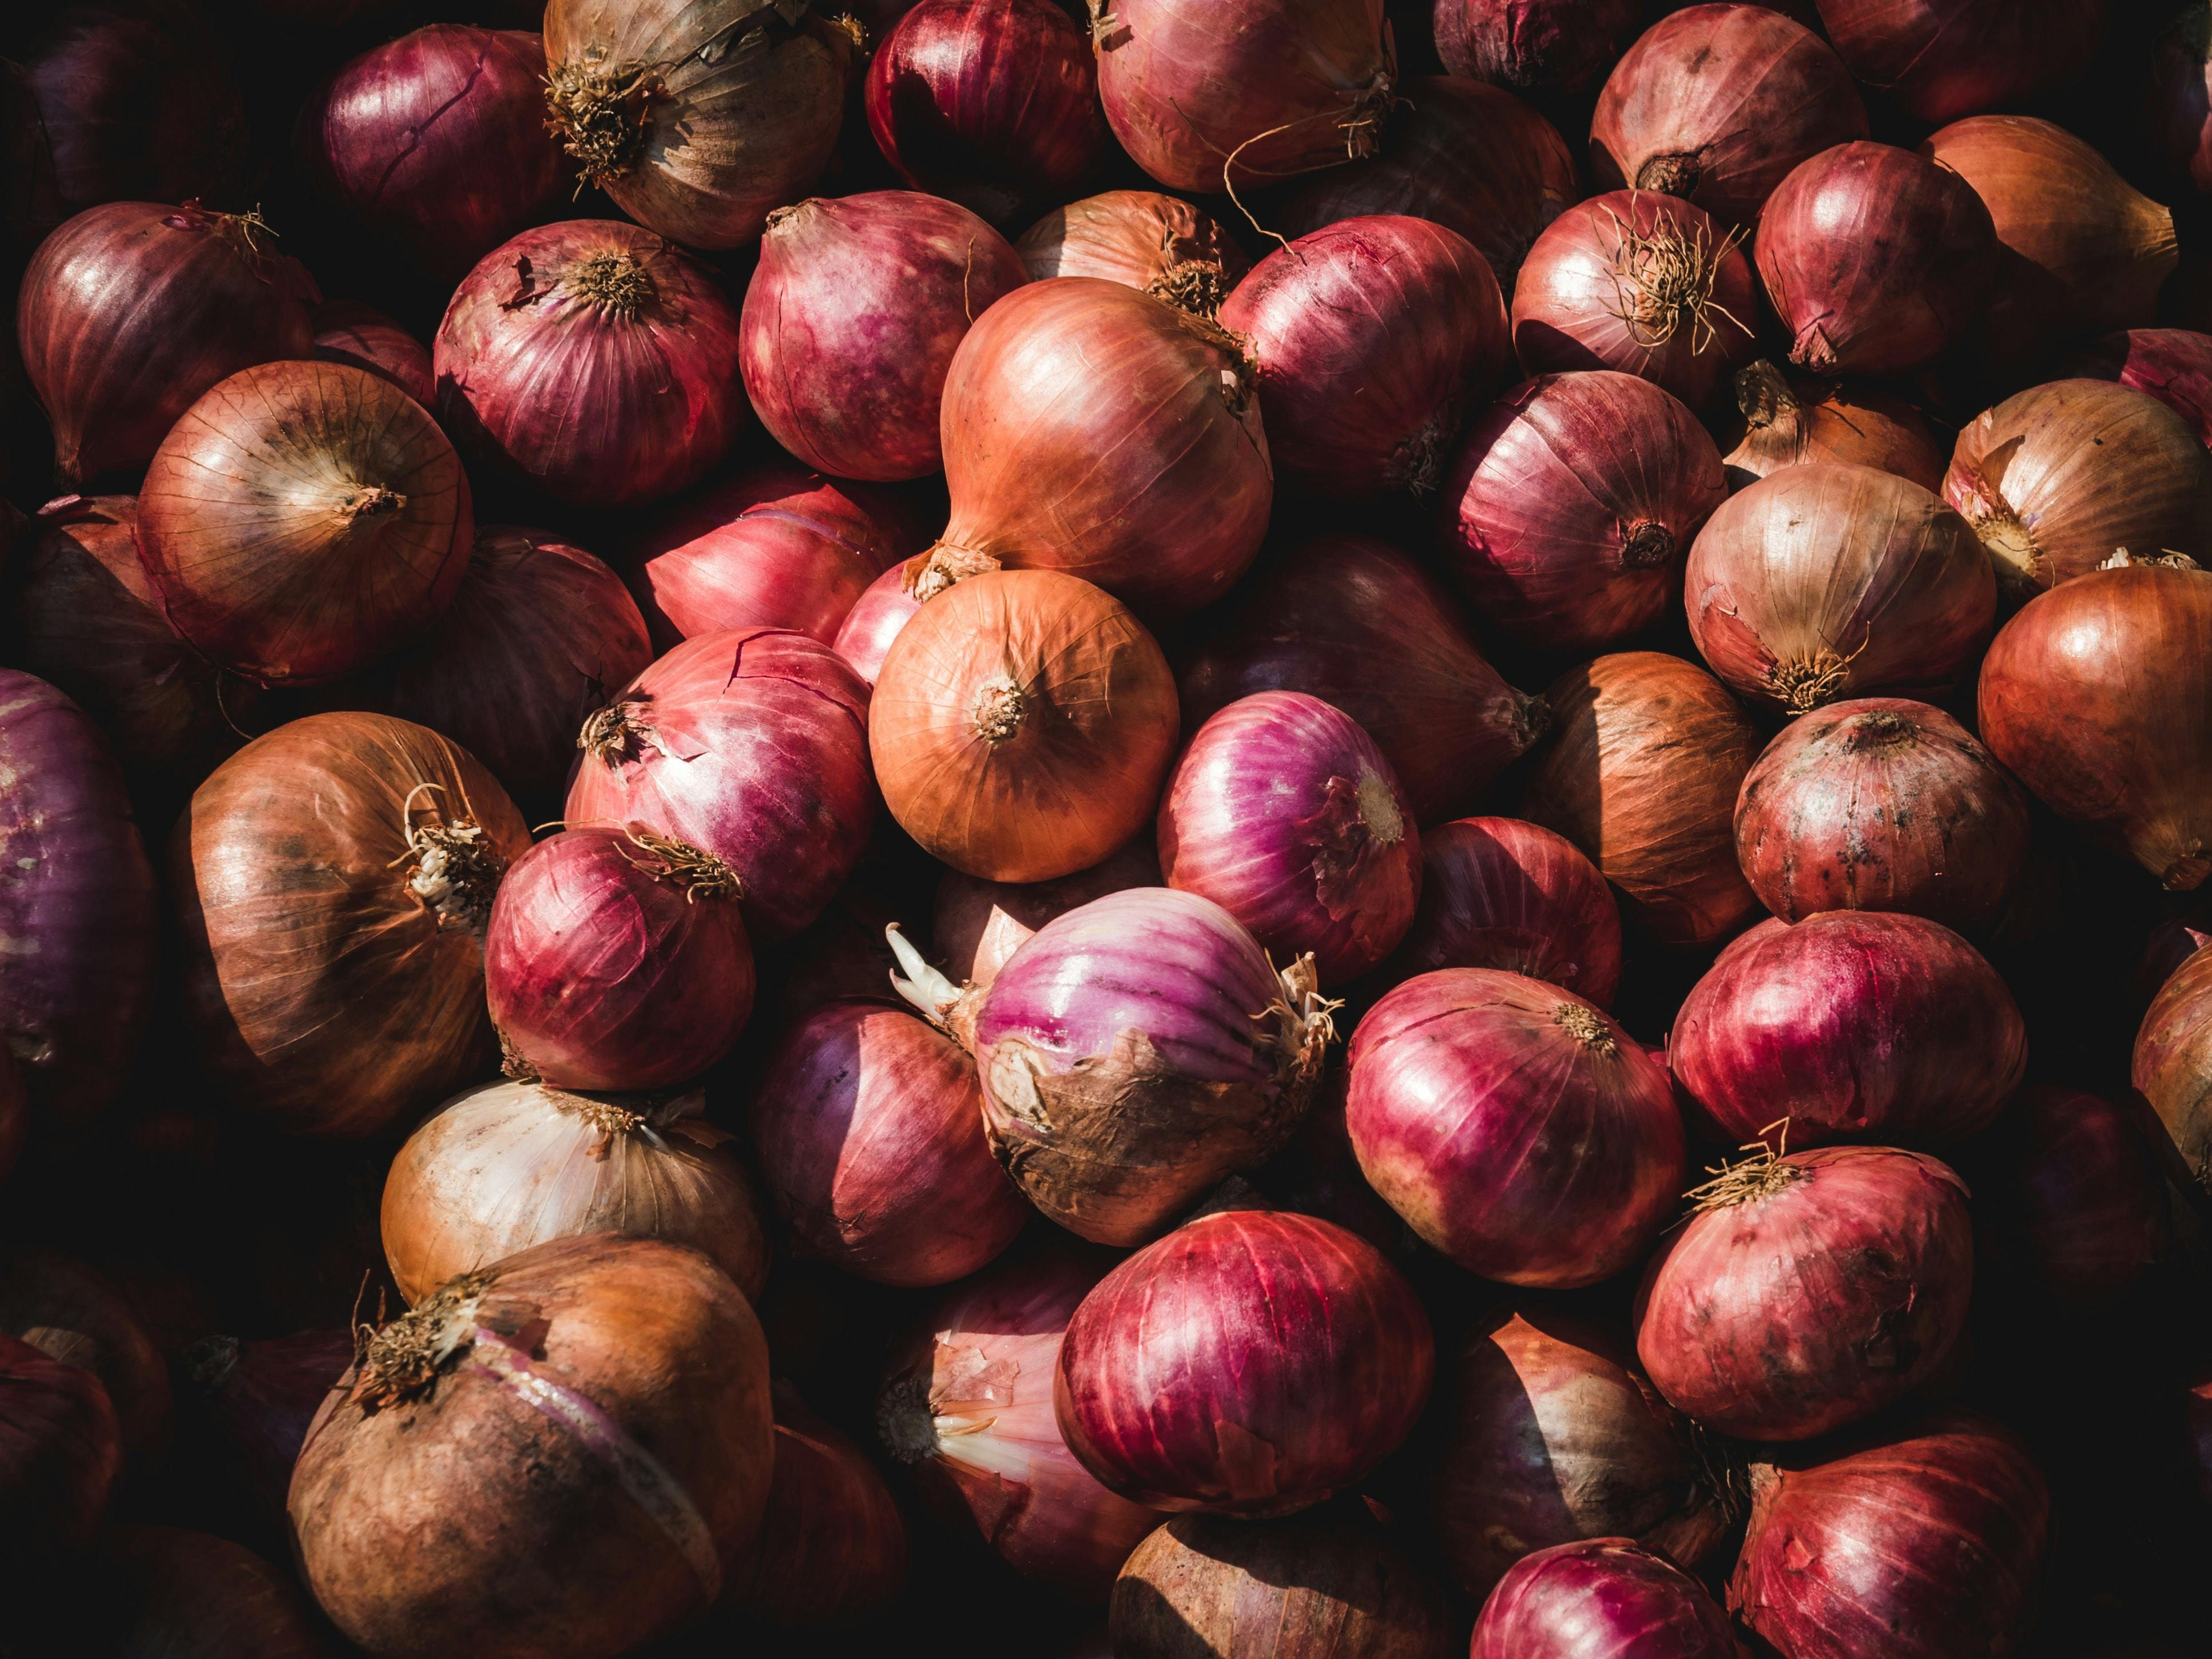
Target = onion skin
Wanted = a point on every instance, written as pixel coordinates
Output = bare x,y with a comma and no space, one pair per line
1357,622
1571,505
254,1402
1790,422
1940,59
833,1546
851,320
347,332
1797,1303
2171,1066
1914,1547
1143,239
1716,104
1252,1363
1514,1126
72,1314
979,924
877,618
2076,1203
1283,812
176,1594
60,1453
130,311
2173,365
1642,773
1534,45
2179,87
1605,1598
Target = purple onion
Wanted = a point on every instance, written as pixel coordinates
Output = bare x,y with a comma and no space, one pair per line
2173,365
1604,1598
348,331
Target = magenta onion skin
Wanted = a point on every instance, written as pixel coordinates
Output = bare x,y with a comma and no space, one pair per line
864,638
752,745
1810,1291
2173,365
1534,45
1862,1026
1514,1126
2178,85
851,320
1571,504
1285,813
868,1126
1940,59
1252,1362
1874,259
1369,336
2076,1202
979,924
347,332
1602,1598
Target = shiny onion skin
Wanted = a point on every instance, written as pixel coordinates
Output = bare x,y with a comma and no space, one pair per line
594,1413
1205,97
1807,1292
833,1547
1919,1545
1500,893
2172,1065
1140,238
1252,1363
2075,1202
302,520
750,746
169,1594
129,312
60,1454
1940,59
1283,812
1571,505
1355,621
1021,726
1093,429
1602,1598
1826,581
1716,104
332,882
1534,45
994,106
1646,756
597,314
979,924
2173,365
1514,1126
1874,259
1643,283
347,332
697,116
435,142
1882,804
1790,422
2056,478
252,1402
71,1313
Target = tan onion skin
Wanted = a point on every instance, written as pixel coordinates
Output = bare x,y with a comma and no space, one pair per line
1158,244
979,924
2172,1062
1790,422
500,1169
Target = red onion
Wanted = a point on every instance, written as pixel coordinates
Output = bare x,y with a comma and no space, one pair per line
2173,365
2075,1201
1940,59
1161,244
1791,423
71,1313
169,1594
1514,1126
833,1546
436,143
1356,622
1252,1362
2171,943
1639,283
881,613
130,311
591,316
1807,1292
59,1455
1920,1546
1283,812
1499,893
347,332
979,924
1572,503
2172,1065
1534,45
869,1128
1603,1598
256,1400
2179,89
752,745
1281,87
968,1405
1716,104
994,104
1317,1173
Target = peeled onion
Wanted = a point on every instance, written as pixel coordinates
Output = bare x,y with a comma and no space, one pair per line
1160,243
1790,422
979,924
1604,1599
2173,365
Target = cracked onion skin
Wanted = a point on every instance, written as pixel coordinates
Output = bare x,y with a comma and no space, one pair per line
1606,1598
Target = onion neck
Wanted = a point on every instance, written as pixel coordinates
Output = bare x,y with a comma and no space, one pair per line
600,111
1238,373
1378,810
696,870
945,564
1674,174
905,1421
951,1008
1304,1026
617,284
1586,1027
1663,280
1882,730
1802,683
1418,462
370,501
405,1360
455,869
618,732
1646,546
1755,1178
2011,544
1197,286
1001,710
1363,128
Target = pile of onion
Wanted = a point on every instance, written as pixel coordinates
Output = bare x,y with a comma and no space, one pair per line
60,1453
1500,893
2171,1066
1940,59
2173,365
833,1547
1534,45
1160,243
1603,1598
347,332
979,924
1791,423
2072,1198
194,1595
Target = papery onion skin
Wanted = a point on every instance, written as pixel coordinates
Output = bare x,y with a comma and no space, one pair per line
1514,1126
1810,1293
1791,423
1716,104
1940,59
254,1401
2172,1065
71,1313
833,1547
1605,1598
60,1453
851,320
347,332
1252,1362
2173,365
1572,503
2075,1202
1534,45
176,1595
877,618
1140,238
979,924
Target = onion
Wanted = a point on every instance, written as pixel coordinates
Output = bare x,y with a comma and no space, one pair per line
1534,45
1499,893
1022,725
2064,704
2173,365
1641,776
1093,429
435,142
697,118
30,200
1790,422
1827,581
1171,249
347,332
994,106
584,1426
130,311
1252,1362
1876,259
750,746
1318,1174
59,1455
2173,1064
1940,59
1602,1599
2179,87
884,609
1514,1126
2075,1202
71,1313
1571,501
1549,1435
1283,812
592,316
1807,1292
1465,154
1356,622
332,880
833,1546
1278,88
1917,1546
169,1594
254,1402
2171,943
1716,104
979,924
968,1405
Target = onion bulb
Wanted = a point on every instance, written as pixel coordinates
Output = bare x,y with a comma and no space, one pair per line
979,924
1160,243
1603,1598
2172,1064
1940,59
1500,893
1790,422
2173,365
1534,45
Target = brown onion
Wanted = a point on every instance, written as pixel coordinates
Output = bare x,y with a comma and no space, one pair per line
1790,423
833,1547
347,332
71,1313
2172,1065
1534,45
176,1595
1163,245
979,924
1940,59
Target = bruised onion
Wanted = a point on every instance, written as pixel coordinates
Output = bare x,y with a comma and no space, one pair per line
1940,59
2173,365
1500,893
979,924
169,1594
254,1401
2172,1065
1603,1598
833,1547
1534,45
1140,238
71,1313
2073,1196
59,1455
1788,423
347,332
